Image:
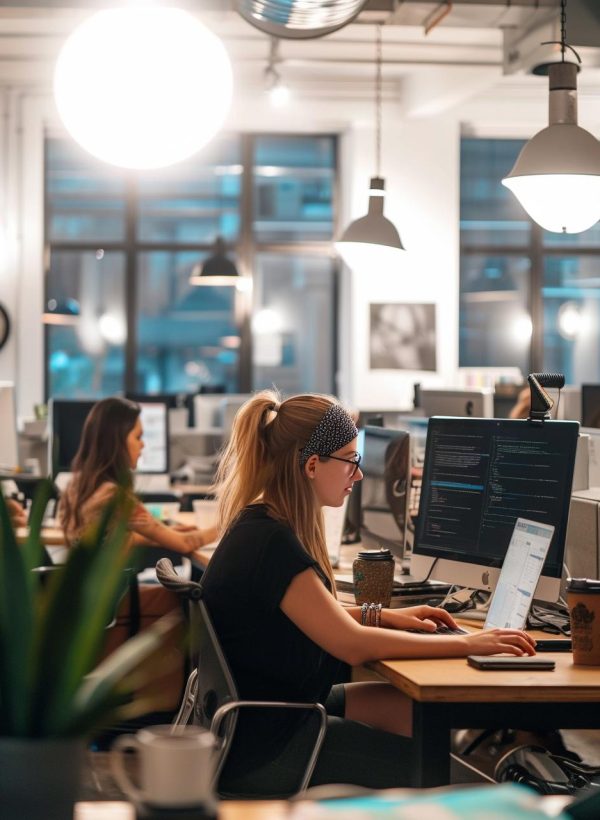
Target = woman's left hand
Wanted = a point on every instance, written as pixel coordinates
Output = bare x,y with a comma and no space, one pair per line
423,618
183,527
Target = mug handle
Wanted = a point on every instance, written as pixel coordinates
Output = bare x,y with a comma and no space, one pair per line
121,744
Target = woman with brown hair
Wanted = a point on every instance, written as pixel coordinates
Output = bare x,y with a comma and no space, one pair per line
271,593
111,444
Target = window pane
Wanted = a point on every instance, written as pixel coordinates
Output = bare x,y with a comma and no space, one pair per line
589,239
187,336
293,188
489,213
571,296
495,325
85,324
292,325
194,202
84,197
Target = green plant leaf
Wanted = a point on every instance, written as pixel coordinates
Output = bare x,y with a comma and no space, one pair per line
16,629
77,605
101,685
33,548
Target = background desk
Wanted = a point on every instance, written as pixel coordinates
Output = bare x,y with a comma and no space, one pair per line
449,694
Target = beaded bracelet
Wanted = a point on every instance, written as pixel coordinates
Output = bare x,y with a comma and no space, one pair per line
370,614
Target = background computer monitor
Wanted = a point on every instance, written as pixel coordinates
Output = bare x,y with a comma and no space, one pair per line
567,403
384,488
66,418
479,476
590,405
476,402
155,423
9,440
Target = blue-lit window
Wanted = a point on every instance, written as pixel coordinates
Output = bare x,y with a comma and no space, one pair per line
528,298
121,312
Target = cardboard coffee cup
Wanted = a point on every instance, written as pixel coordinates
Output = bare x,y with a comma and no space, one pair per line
583,598
373,576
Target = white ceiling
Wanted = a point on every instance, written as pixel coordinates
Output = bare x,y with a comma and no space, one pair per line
459,59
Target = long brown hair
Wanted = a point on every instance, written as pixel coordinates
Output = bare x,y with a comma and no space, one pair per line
102,455
261,463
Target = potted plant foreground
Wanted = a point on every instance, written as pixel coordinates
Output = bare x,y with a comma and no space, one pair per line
52,694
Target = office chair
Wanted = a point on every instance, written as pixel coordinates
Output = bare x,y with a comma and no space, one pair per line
211,698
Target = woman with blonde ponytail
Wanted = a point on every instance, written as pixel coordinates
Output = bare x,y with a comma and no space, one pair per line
270,591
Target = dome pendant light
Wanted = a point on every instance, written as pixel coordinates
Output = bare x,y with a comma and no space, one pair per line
373,241
556,177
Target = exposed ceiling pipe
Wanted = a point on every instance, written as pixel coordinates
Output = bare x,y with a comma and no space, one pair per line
436,16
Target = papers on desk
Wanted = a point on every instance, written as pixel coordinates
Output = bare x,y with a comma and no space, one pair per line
472,803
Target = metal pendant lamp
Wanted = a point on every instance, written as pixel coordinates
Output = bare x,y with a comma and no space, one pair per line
218,269
373,240
556,177
299,19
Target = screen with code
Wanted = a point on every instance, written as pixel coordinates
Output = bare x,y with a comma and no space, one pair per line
480,475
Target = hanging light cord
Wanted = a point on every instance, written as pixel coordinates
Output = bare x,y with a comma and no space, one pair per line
563,34
378,102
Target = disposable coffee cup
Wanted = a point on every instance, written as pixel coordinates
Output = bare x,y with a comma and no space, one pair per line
583,599
205,512
373,577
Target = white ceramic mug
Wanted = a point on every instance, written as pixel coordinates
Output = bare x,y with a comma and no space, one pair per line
176,766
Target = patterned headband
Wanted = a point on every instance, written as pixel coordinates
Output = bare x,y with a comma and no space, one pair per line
334,431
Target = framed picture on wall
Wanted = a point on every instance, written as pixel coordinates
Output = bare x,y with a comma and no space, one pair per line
402,336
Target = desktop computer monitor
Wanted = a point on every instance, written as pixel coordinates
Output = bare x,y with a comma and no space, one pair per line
384,488
479,476
9,440
476,402
590,405
66,418
155,423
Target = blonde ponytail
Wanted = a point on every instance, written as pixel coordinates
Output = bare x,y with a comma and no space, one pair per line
261,464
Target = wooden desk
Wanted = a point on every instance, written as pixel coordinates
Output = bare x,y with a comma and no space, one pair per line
449,694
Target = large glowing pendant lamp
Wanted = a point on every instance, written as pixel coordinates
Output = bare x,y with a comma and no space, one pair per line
143,86
556,177
372,242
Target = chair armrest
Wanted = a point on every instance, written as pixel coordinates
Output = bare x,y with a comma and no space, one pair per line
233,705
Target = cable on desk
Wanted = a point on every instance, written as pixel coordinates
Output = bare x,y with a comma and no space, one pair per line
554,621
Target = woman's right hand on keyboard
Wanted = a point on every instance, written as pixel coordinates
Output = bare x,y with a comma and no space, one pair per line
500,641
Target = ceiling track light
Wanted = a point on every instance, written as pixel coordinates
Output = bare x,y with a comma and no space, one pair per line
556,177
373,241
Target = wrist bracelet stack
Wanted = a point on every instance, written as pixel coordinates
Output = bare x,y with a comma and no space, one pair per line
370,614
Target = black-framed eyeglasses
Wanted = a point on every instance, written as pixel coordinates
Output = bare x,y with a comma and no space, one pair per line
355,460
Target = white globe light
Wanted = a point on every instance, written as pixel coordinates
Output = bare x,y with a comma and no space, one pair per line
563,203
143,86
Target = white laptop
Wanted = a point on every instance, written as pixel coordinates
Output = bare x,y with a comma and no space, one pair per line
522,567
334,530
